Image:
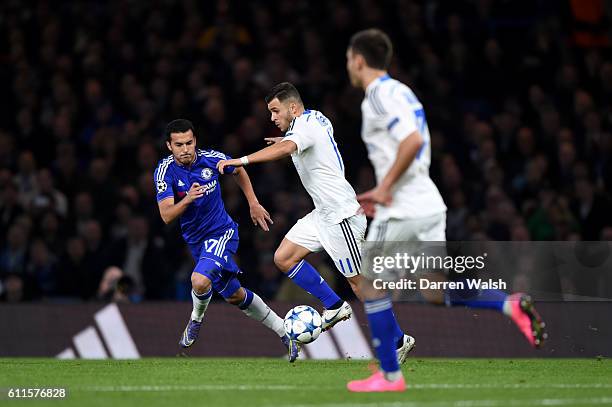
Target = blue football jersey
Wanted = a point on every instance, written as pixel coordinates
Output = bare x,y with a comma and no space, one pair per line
206,216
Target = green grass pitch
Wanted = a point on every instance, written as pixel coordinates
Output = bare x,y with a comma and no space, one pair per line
274,382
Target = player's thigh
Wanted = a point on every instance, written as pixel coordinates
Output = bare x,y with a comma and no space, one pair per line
343,243
432,228
223,280
301,240
289,253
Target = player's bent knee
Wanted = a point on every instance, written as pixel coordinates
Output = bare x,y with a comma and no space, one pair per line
282,260
200,283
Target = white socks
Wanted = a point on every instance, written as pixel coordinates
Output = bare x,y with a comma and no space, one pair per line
259,311
200,303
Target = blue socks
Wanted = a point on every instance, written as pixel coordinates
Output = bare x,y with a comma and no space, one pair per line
248,299
383,327
305,276
489,299
398,334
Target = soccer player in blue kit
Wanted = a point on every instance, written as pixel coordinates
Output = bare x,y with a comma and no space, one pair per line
187,184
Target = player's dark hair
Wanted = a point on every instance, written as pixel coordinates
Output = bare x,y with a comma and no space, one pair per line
375,46
178,126
283,91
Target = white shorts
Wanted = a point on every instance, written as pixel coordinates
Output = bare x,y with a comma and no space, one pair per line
429,229
404,235
342,241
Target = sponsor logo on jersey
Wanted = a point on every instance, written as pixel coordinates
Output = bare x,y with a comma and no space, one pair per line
209,187
181,183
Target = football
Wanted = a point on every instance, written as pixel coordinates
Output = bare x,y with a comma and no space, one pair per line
303,324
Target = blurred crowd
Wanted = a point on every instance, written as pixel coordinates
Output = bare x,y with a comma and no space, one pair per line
518,96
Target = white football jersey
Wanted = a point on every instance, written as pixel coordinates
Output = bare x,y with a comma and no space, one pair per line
391,112
320,167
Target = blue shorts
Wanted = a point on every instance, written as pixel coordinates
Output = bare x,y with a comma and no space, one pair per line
214,259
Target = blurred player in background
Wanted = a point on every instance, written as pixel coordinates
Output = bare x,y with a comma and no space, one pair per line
188,187
335,224
406,204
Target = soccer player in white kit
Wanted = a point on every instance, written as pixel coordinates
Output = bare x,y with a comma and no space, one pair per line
336,224
406,204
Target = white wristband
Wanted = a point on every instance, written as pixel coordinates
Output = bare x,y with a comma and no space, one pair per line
244,160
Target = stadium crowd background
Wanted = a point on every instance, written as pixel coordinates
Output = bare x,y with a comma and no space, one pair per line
517,93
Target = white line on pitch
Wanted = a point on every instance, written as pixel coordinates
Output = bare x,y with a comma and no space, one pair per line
474,403
254,387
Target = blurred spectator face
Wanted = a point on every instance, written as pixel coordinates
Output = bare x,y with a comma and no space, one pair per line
536,97
138,229
243,70
146,186
123,212
492,52
92,233
215,111
565,135
567,154
26,163
13,286
178,101
182,146
9,195
24,120
458,199
6,145
16,238
98,170
451,175
482,131
583,102
147,156
39,253
49,223
45,181
83,205
75,247
606,76
550,121
62,128
568,77
584,190
525,141
487,149
65,156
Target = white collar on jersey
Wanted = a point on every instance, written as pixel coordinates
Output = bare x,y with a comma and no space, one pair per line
377,81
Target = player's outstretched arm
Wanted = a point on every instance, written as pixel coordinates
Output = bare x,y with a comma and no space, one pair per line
259,215
273,152
381,194
170,211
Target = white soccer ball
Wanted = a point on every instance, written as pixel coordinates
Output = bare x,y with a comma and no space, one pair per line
303,324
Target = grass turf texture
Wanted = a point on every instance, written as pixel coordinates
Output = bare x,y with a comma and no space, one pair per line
274,382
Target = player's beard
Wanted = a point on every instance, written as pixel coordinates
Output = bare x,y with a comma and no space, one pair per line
186,159
287,122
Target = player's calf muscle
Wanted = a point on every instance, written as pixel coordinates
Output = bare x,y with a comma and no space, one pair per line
355,283
237,297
